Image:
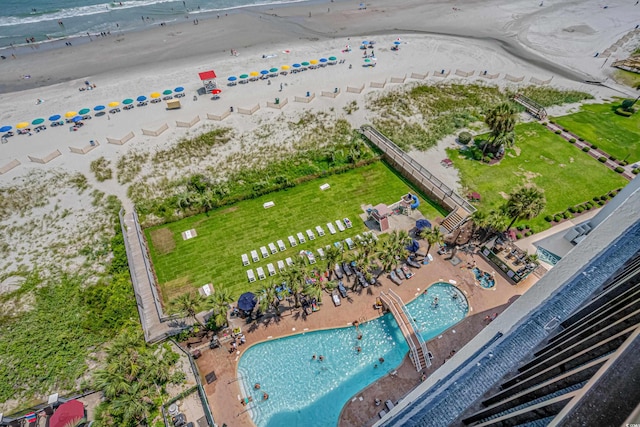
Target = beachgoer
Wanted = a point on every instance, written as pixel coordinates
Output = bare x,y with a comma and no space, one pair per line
313,357
381,360
423,377
265,396
257,386
321,358
358,349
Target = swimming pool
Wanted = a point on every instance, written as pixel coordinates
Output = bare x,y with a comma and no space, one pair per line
547,256
308,392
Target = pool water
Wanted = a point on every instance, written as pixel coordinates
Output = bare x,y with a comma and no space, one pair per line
307,392
484,278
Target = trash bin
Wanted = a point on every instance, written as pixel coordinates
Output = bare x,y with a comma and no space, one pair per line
308,94
231,109
277,101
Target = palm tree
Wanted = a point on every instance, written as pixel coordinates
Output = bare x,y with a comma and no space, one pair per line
295,278
525,202
332,256
399,241
496,223
435,237
386,256
479,221
502,121
220,301
188,305
267,298
134,405
369,244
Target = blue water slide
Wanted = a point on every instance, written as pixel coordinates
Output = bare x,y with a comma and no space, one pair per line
416,202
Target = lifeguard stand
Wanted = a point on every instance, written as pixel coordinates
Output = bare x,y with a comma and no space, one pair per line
208,79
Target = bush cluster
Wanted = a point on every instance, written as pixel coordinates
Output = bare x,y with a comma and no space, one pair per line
586,149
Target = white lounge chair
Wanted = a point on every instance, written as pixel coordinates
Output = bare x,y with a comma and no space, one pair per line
375,237
251,276
273,248
310,235
254,256
271,269
264,252
292,241
331,228
281,265
311,257
320,253
336,298
340,225
358,238
245,259
319,230
301,238
347,223
349,243
261,275
281,245
289,261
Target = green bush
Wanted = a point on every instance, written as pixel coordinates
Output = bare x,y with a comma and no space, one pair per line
544,123
565,129
527,234
520,227
465,138
552,122
566,215
623,113
612,158
602,159
595,147
558,132
586,149
572,209
558,218
604,197
588,207
623,163
619,169
518,236
601,203
572,140
486,159
580,139
636,171
596,198
548,218
580,209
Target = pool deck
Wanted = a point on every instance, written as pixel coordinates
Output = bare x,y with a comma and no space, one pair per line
224,393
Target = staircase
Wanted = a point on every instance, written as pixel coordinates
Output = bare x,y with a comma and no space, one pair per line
535,109
417,347
455,219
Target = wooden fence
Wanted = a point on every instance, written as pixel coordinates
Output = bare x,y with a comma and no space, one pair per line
84,150
513,78
156,132
220,117
279,104
121,141
378,85
398,79
419,76
462,73
351,89
441,73
305,99
12,164
45,159
249,111
330,94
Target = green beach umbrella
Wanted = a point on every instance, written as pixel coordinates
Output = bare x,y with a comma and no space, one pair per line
367,60
127,101
244,76
167,92
273,70
84,111
305,64
332,58
37,121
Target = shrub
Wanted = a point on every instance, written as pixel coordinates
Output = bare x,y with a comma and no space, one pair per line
572,209
558,218
580,209
580,139
544,123
518,236
601,203
548,218
520,227
464,138
527,234
612,158
566,215
623,113
602,159
604,197
572,140
596,198
623,162
636,171
486,159
531,230
619,169
101,167
595,147
586,149
587,207
551,121
558,132
627,105
565,129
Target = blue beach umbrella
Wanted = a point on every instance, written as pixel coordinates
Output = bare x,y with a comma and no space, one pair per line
76,119
397,42
179,89
422,223
365,42
297,65
55,117
264,72
5,128
232,78
141,98
323,59
247,301
98,108
414,246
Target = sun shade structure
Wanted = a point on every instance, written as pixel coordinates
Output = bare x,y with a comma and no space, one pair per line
127,101
167,92
84,111
113,104
207,75
232,78
76,119
70,114
37,121
305,64
179,89
273,70
68,413
155,95
254,74
6,128
98,108
264,72
22,125
141,98
285,67
332,58
422,223
313,61
54,117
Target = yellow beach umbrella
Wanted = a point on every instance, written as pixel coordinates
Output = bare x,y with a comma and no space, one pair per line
155,95
254,74
22,125
285,67
313,61
70,114
113,104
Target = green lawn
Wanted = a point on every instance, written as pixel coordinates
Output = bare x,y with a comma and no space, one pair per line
214,256
567,175
599,125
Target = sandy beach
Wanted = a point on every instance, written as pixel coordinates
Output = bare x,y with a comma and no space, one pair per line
531,41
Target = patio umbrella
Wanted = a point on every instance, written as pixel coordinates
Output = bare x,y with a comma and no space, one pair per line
141,98
397,42
22,125
84,111
55,117
6,128
323,59
98,108
367,60
113,104
264,72
167,92
232,78
127,101
422,223
305,64
285,67
67,413
273,70
179,89
244,76
365,42
414,246
70,114
76,119
333,58
247,301
216,91
297,65
37,121
254,74
313,61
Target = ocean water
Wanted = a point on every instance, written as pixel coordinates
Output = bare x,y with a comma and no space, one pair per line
55,19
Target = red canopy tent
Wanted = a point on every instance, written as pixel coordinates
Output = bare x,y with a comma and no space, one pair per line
207,75
208,80
66,413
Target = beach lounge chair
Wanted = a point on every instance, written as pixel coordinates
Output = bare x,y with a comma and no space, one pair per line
281,245
251,276
254,256
310,235
319,230
340,225
400,273
338,245
292,241
264,252
289,261
273,248
245,259
407,272
394,278
347,269
389,404
342,289
301,238
331,228
338,271
271,269
281,265
347,223
361,279
336,298
350,243
261,275
320,253
310,257
413,263
382,413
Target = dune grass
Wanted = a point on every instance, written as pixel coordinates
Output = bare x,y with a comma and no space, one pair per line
565,174
599,125
214,256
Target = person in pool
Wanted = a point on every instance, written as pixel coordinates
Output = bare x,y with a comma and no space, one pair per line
321,358
313,357
257,386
